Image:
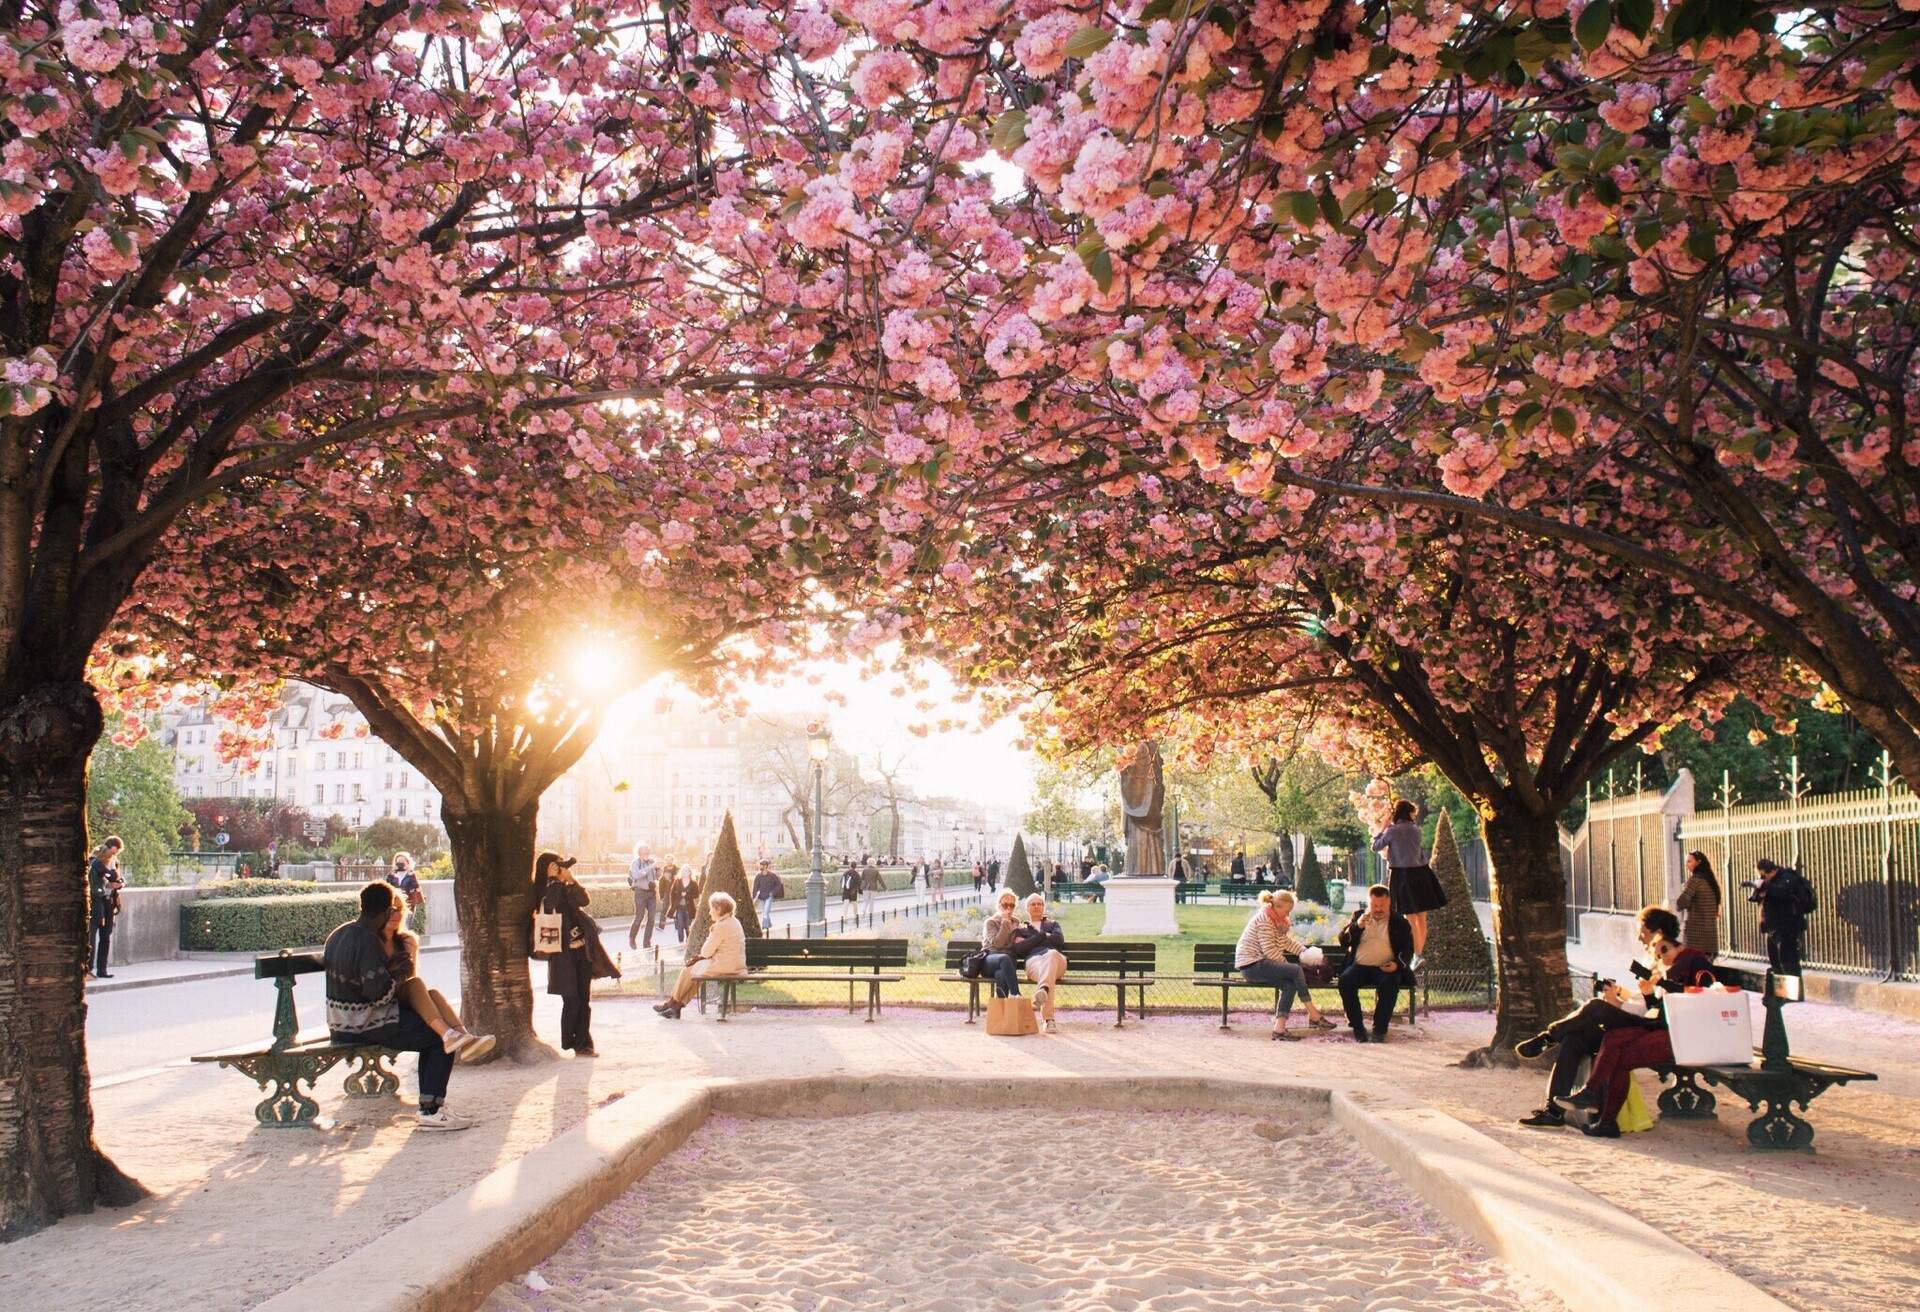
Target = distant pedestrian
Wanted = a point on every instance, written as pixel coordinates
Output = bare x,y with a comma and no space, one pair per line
401,875
979,878
1699,906
103,897
766,887
1237,871
850,887
1786,899
870,885
643,877
686,893
993,871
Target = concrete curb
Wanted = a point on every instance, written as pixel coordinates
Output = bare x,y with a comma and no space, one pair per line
214,972
1591,1254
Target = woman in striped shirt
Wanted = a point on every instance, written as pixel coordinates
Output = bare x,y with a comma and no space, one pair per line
1268,953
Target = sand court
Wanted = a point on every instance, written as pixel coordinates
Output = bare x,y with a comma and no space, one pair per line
972,1209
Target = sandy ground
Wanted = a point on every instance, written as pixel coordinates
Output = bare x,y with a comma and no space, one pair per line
1087,1210
239,1213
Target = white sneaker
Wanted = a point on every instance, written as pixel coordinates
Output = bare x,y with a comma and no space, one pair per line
476,1047
1050,1028
1039,999
454,1040
441,1120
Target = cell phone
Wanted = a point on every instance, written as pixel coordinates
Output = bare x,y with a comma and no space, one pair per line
1641,970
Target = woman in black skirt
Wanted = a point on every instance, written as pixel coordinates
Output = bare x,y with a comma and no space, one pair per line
1416,889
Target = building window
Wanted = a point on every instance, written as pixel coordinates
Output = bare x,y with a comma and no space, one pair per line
340,794
339,760
319,794
403,808
319,760
388,809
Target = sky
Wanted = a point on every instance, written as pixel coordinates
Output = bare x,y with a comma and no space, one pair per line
864,715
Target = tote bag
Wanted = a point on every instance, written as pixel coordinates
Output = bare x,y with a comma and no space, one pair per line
1710,1027
549,934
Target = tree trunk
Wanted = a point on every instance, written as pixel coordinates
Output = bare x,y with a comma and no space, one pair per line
1529,928
493,889
50,1166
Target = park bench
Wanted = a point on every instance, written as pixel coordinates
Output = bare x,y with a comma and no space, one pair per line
1190,890
1235,890
1213,969
853,961
293,1058
1775,1076
1095,963
1067,890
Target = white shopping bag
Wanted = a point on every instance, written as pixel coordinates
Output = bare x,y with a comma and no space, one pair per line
547,929
1710,1027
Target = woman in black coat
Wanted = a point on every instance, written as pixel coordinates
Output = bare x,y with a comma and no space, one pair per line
583,959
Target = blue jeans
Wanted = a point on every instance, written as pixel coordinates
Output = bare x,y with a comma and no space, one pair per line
1287,976
1006,974
766,914
411,1034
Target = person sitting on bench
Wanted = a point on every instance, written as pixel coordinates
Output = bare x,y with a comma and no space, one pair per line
403,963
1576,1037
724,953
364,1006
1268,953
1625,1049
1041,946
996,940
1379,944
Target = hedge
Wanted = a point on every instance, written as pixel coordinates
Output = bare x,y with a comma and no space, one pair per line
224,888
264,924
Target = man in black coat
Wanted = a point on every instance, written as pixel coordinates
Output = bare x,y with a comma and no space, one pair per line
103,898
1786,900
1379,944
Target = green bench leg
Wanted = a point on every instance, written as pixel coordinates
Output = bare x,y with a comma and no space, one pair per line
1686,1100
1778,1128
1226,994
371,1076
286,1107
1120,1007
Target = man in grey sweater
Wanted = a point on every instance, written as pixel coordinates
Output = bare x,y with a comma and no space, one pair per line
364,1006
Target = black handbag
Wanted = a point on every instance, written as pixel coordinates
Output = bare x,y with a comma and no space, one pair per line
973,966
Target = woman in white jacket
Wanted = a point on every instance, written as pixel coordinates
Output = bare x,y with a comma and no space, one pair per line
724,953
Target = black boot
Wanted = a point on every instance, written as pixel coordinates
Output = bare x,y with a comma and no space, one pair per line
1537,1045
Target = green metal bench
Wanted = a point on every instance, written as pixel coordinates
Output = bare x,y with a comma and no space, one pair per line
1096,963
1775,1076
1067,890
293,1058
1213,969
855,961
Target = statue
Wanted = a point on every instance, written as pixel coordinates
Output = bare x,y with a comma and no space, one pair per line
1142,792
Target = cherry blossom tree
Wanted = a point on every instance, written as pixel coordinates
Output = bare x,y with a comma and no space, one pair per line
233,235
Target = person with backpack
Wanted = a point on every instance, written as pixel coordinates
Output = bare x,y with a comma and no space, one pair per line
643,877
1786,899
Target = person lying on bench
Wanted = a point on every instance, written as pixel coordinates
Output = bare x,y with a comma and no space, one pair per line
1576,1037
1041,946
364,1006
996,940
403,963
1268,953
1625,1049
724,953
1379,944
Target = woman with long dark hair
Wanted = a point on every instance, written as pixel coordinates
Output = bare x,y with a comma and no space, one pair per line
581,958
1699,906
1416,889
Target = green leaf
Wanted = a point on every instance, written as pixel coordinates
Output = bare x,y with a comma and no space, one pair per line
1647,232
1562,421
1088,247
1304,206
1331,208
1606,189
1566,299
1101,267
1700,245
1010,131
1688,21
1636,15
1086,42
1595,21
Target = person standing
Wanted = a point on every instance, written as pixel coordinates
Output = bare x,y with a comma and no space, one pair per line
1237,869
643,877
581,959
1416,889
1379,944
1699,907
979,878
686,893
870,885
850,888
402,876
1786,899
103,898
766,887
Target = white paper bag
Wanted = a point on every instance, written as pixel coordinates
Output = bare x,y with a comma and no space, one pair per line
547,928
1710,1028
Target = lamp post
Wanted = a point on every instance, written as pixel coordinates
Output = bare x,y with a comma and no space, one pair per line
817,740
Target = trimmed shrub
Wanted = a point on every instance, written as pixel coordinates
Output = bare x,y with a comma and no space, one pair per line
1313,879
1454,940
1019,875
213,889
726,873
267,924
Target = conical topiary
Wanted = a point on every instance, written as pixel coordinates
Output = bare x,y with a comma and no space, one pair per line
1313,880
1454,940
1019,873
726,873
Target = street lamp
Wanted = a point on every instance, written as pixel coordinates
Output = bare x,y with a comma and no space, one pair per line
817,740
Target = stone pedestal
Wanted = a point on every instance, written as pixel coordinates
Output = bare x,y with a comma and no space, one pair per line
1139,906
